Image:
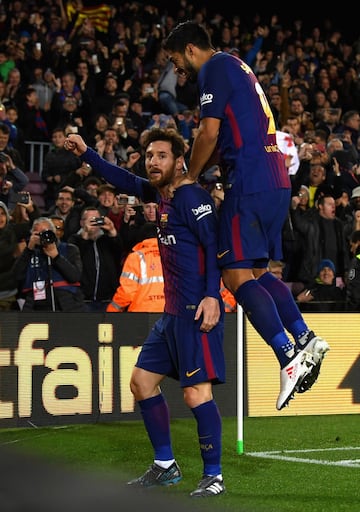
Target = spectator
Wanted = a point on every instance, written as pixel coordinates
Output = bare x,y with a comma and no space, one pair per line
77,177
100,249
312,174
8,148
166,87
91,185
148,99
100,124
58,164
59,225
353,280
16,139
323,238
141,284
70,117
292,240
108,204
8,246
350,123
48,272
44,83
13,129
132,122
33,120
22,217
66,208
12,180
136,214
105,100
111,146
14,87
276,267
67,88
323,290
351,218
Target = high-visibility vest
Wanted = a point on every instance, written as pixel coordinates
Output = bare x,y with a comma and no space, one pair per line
229,300
141,283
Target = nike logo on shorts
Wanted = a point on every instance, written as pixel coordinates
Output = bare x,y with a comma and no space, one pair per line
190,374
221,254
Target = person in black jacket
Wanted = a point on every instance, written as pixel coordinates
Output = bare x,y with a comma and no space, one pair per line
353,280
49,271
101,250
8,244
323,294
58,165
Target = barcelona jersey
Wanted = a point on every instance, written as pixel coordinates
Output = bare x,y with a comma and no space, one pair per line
187,232
230,91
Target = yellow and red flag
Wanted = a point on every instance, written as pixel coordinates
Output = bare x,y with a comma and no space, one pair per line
99,15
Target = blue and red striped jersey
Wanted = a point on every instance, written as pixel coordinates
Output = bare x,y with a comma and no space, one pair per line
230,91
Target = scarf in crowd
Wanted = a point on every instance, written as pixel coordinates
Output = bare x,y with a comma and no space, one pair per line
40,123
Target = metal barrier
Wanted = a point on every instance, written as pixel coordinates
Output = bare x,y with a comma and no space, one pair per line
35,154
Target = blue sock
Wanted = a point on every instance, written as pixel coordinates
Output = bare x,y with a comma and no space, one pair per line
262,312
155,413
288,310
209,429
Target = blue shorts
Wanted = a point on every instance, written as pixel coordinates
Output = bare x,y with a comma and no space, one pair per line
251,228
177,348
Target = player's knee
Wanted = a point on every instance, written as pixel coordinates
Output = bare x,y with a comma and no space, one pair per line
198,394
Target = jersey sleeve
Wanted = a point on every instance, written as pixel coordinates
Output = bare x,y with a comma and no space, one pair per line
119,177
200,215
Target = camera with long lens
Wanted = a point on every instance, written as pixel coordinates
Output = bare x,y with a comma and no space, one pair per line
47,237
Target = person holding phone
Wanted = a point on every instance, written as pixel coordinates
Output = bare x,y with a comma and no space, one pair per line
12,181
100,248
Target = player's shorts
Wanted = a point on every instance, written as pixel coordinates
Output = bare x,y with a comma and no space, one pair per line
250,228
177,348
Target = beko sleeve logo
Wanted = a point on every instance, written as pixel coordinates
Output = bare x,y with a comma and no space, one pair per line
206,98
201,211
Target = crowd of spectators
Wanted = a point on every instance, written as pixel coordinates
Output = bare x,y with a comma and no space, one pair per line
108,79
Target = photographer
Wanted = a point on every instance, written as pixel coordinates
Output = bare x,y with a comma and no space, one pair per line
49,271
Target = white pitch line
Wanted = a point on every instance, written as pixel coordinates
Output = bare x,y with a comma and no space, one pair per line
355,463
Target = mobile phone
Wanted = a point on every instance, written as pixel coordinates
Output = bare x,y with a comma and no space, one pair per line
98,221
122,200
22,197
131,200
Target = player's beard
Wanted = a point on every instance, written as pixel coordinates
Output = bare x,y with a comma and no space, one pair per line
191,72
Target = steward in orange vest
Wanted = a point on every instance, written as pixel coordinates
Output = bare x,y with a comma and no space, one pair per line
141,283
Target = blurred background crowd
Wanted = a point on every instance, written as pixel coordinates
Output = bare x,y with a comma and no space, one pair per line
99,70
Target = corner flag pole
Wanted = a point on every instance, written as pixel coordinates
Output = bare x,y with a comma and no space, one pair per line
240,380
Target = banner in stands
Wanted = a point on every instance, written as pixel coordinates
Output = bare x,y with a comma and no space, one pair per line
63,368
